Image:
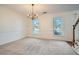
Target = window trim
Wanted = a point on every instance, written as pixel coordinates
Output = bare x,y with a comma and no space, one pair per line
34,26
54,27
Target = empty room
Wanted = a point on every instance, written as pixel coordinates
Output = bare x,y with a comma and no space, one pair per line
39,29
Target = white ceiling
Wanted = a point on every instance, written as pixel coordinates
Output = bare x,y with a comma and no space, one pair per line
39,8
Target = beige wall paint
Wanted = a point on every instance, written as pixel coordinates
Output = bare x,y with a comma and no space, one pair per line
13,26
46,26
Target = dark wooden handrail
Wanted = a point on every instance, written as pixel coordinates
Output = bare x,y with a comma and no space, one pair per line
74,26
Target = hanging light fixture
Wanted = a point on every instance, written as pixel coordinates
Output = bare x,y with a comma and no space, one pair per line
32,15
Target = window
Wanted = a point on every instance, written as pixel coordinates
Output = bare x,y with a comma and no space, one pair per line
58,26
35,23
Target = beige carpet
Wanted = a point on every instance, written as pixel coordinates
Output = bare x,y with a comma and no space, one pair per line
31,46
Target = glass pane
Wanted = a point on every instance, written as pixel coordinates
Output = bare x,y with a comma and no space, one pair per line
35,23
35,30
58,26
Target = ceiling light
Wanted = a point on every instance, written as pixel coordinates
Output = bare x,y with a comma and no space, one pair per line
32,15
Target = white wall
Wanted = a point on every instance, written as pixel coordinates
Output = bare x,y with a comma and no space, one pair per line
46,26
13,26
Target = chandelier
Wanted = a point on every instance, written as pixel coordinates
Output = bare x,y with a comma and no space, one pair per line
32,15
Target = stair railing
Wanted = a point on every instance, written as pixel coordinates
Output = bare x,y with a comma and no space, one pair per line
74,26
